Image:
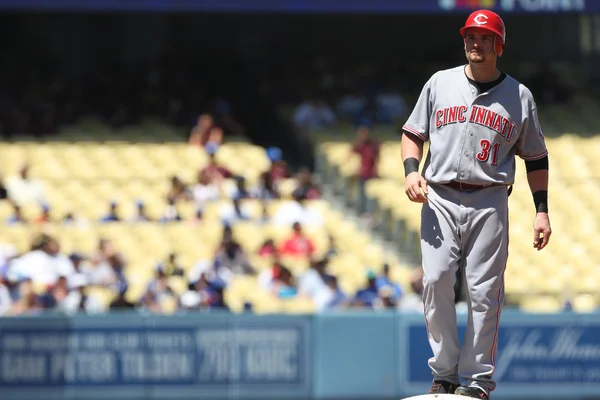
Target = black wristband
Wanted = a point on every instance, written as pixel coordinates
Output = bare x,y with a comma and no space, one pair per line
411,165
540,199
536,165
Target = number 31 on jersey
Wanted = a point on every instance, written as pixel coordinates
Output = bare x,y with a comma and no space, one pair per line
486,149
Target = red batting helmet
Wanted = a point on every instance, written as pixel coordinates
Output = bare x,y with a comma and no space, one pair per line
491,21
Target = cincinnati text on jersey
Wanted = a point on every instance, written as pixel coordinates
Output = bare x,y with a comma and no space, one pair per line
479,115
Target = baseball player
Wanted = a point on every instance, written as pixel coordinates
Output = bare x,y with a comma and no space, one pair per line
477,119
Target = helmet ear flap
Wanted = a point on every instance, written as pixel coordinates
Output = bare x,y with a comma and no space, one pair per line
498,46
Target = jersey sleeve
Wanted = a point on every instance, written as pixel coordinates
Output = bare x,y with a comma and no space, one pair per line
531,144
418,121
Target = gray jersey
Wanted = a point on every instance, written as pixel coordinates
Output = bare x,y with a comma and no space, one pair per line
474,137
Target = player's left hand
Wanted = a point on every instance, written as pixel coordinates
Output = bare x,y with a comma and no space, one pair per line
541,230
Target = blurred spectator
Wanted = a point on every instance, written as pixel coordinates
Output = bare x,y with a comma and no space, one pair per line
22,189
26,302
226,237
226,119
266,187
268,249
204,191
384,280
80,265
204,292
332,249
71,219
172,267
387,299
203,287
121,302
213,170
215,137
171,213
368,151
297,210
391,106
306,188
231,212
178,191
218,299
108,266
190,300
44,265
265,216
241,191
311,282
113,213
55,295
141,213
201,131
367,296
149,303
17,216
231,260
283,284
351,105
413,301
298,244
330,296
7,254
159,287
198,217
68,218
266,277
77,300
5,299
44,216
3,190
313,114
279,169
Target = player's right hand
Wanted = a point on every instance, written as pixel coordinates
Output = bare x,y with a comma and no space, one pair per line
416,188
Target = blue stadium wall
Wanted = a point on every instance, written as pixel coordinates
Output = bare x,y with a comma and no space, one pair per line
331,356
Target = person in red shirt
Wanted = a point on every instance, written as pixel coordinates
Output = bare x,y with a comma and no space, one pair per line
268,249
214,171
298,244
368,150
279,168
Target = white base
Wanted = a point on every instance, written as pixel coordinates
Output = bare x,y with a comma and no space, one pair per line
436,397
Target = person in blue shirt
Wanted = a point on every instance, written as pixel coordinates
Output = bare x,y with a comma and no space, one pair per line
113,213
367,296
385,280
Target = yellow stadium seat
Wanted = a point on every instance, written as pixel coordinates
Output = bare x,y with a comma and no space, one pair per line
585,303
298,305
541,304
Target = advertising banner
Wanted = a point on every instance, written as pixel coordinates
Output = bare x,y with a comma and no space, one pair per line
260,358
308,6
560,354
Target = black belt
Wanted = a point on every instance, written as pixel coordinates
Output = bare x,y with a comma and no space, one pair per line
467,187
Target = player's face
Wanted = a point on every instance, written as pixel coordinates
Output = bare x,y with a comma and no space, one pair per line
479,45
